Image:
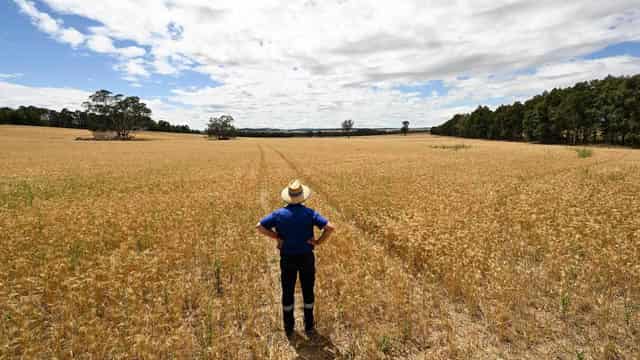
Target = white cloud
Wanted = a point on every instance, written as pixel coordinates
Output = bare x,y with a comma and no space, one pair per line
14,95
134,68
72,36
132,51
103,44
49,25
315,63
547,77
99,41
10,76
100,44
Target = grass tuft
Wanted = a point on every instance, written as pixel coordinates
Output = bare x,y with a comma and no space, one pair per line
384,344
584,153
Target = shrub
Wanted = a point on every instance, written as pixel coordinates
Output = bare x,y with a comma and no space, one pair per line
584,153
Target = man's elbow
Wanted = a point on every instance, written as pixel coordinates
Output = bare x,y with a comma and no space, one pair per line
329,227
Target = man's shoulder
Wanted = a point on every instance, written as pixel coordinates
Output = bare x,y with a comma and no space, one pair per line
298,208
306,209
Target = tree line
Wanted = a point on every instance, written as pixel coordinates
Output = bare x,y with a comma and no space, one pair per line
222,128
313,133
591,112
102,111
119,115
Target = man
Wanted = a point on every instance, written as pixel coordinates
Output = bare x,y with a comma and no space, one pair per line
292,228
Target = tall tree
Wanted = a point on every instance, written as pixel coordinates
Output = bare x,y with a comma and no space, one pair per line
221,127
116,112
100,110
129,114
405,127
347,126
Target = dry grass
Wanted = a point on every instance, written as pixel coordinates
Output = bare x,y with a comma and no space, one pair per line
147,249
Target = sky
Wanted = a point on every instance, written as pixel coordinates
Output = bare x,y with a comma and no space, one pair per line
310,63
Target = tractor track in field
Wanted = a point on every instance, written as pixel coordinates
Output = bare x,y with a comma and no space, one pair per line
298,349
462,322
450,314
357,224
274,336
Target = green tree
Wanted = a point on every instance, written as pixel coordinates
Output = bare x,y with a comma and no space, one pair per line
347,126
116,112
129,114
100,109
221,127
405,127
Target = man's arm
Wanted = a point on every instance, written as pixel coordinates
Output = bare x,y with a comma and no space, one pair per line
327,230
269,233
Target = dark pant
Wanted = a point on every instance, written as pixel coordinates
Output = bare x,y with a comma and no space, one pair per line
290,266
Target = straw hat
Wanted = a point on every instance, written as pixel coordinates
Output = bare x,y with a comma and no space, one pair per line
295,192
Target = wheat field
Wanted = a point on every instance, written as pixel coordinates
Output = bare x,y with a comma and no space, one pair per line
445,248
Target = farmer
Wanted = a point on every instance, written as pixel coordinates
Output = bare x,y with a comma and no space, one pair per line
292,228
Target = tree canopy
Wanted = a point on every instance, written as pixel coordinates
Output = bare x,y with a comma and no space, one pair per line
597,111
405,127
117,113
221,127
347,126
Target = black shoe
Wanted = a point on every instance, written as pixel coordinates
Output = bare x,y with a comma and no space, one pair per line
310,332
288,333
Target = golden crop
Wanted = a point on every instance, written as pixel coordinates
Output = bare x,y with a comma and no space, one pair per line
147,249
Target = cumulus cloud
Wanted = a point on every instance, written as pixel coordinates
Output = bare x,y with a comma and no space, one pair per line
99,41
14,95
314,63
134,68
103,44
49,25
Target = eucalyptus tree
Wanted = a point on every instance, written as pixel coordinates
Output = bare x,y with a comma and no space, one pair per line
347,126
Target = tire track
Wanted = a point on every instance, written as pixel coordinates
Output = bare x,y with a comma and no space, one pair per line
263,196
298,349
457,323
358,224
451,324
277,344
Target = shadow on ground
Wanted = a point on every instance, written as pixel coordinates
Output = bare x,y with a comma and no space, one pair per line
316,347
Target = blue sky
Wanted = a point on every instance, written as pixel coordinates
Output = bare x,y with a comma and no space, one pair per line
44,62
298,65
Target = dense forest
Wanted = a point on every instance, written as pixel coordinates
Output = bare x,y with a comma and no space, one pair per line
31,115
598,111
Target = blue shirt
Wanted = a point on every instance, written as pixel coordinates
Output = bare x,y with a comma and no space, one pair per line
294,223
